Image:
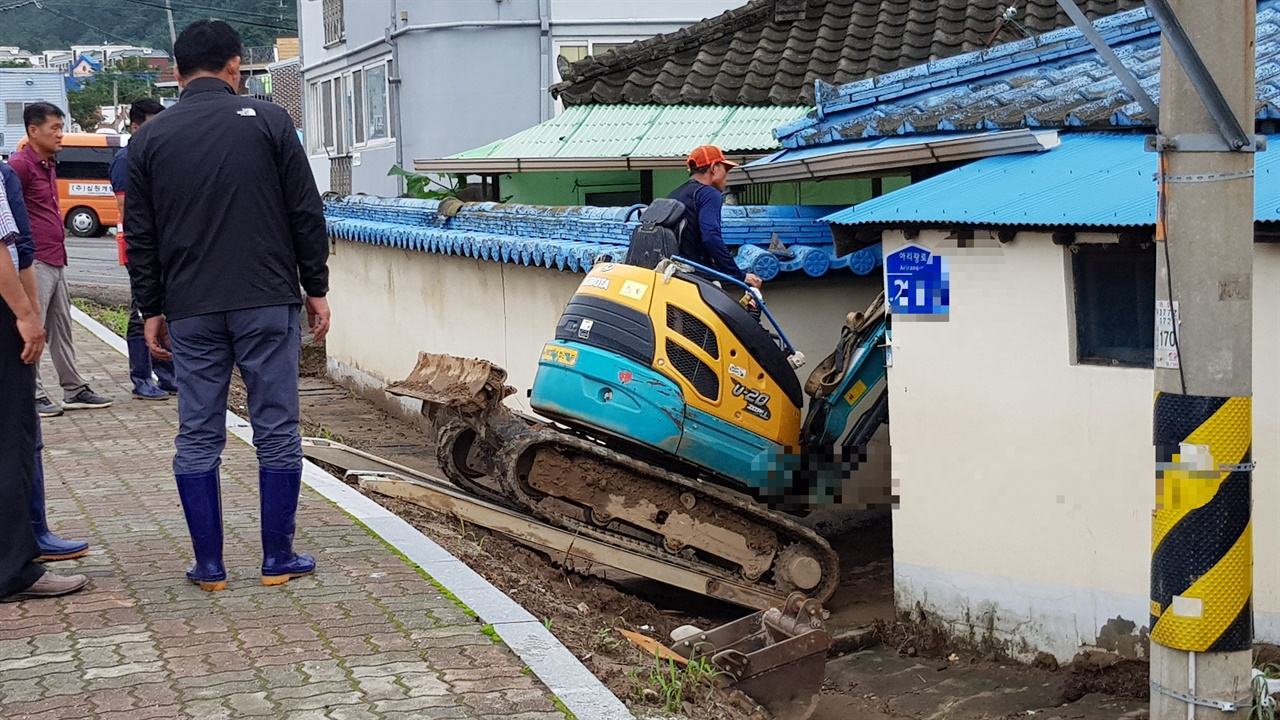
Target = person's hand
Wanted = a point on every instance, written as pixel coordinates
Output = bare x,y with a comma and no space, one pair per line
754,280
318,318
32,339
157,331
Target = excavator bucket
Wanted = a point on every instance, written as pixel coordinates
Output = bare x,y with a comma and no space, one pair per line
777,657
450,381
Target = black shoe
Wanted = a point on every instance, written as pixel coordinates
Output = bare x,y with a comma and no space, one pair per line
87,399
46,408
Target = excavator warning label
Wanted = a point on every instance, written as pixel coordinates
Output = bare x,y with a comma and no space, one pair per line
560,355
633,289
855,392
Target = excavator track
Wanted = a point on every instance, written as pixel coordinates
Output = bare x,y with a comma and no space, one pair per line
571,480
577,484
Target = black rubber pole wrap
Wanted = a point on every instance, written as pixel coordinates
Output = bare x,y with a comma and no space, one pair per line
1202,554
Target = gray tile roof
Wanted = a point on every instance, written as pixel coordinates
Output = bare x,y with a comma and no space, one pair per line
770,52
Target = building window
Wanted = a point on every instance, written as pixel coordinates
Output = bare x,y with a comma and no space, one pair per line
375,94
1115,298
335,30
326,115
357,84
348,113
575,50
13,112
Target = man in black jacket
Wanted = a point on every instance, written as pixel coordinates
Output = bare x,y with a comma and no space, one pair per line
225,222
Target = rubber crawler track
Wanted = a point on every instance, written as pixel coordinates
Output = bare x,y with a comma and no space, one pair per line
508,440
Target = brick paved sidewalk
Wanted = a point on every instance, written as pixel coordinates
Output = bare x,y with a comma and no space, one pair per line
366,637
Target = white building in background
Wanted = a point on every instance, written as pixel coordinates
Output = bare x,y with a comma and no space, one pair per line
387,81
20,87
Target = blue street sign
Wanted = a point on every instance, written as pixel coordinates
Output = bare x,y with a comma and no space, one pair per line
917,282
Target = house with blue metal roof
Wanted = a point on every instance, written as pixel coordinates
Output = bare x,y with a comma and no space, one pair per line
1022,420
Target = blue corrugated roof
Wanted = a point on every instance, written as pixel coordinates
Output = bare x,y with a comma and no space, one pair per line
1054,80
574,238
1091,179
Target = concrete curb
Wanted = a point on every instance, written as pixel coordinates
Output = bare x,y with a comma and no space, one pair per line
580,691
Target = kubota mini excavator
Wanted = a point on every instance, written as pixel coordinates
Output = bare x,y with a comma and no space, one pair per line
671,424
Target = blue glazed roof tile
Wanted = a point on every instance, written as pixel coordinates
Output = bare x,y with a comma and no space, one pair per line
1055,79
572,239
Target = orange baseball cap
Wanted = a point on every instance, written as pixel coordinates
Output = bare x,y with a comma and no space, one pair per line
708,155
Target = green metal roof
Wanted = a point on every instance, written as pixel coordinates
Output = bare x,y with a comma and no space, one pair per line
631,136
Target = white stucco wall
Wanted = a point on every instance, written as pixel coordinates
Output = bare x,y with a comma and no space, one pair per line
1026,481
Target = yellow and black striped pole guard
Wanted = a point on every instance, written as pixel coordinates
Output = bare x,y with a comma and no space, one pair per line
1202,546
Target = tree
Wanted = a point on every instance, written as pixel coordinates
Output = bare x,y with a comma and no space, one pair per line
15,64
123,82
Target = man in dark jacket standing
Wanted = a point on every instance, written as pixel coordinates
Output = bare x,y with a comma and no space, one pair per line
224,223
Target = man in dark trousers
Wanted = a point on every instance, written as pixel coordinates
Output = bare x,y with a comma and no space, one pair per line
702,197
141,363
224,222
52,547
21,344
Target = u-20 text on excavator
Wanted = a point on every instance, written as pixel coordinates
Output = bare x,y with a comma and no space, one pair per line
670,424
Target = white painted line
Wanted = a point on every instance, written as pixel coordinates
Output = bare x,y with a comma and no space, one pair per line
553,663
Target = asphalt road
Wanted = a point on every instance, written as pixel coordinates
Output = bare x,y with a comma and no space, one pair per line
94,270
93,261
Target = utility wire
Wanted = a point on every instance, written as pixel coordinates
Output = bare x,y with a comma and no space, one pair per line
282,28
16,5
95,28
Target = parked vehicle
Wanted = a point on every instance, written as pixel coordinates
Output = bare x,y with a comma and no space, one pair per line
84,185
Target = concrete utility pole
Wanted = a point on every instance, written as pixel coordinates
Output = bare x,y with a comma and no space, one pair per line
173,33
1202,552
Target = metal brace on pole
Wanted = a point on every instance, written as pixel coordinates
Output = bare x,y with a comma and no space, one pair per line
1126,77
1223,705
1228,124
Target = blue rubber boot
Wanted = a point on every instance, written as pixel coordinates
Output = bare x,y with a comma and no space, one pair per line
140,371
201,495
279,490
52,547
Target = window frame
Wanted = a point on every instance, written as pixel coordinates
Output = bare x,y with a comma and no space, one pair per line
1097,299
383,65
340,119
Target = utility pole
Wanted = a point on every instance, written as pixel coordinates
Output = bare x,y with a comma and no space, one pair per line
173,33
1202,552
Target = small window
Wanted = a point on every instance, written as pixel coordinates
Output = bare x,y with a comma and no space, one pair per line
1115,294
598,49
13,113
357,82
348,113
326,113
375,90
85,163
573,53
334,23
